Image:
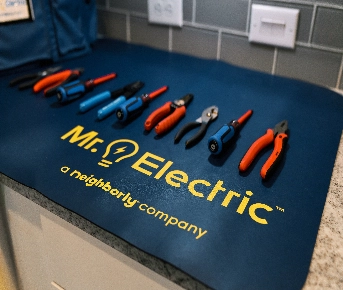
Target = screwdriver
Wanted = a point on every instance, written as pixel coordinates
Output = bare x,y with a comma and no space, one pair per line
77,89
118,96
226,133
134,106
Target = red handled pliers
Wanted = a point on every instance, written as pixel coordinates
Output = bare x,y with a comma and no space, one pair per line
207,116
50,83
279,137
170,112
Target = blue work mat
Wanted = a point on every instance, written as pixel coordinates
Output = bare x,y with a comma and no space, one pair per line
227,229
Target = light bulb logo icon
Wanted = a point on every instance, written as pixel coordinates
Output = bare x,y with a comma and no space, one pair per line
106,163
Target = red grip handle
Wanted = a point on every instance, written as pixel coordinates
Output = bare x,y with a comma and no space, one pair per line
157,115
255,148
51,80
103,79
169,122
159,91
274,159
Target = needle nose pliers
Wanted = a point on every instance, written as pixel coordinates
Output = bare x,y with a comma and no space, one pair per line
29,80
167,116
280,138
207,116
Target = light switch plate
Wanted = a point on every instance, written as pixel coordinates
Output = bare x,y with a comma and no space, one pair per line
168,12
273,25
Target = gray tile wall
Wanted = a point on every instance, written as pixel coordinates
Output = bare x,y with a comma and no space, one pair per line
219,29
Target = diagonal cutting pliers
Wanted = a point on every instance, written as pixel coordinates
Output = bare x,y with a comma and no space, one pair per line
207,116
51,82
29,80
279,137
167,116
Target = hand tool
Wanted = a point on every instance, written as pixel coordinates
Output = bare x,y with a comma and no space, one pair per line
280,137
119,96
77,89
226,133
207,116
29,80
176,111
132,107
50,83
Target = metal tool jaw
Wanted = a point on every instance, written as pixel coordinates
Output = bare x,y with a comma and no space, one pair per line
208,115
281,127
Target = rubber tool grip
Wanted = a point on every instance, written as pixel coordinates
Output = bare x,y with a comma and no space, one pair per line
75,88
157,115
103,79
276,156
130,108
169,122
255,148
226,133
92,102
111,107
51,80
159,91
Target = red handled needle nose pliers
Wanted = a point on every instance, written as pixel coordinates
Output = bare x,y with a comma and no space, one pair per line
280,138
207,116
170,112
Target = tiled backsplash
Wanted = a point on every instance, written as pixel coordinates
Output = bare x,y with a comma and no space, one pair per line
219,29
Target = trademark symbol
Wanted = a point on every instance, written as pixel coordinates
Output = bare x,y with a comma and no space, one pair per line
280,208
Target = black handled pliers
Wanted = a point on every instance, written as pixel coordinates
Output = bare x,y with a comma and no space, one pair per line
29,80
207,116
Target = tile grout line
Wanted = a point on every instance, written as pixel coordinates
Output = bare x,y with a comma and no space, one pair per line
219,44
340,72
274,61
194,11
128,27
314,15
170,39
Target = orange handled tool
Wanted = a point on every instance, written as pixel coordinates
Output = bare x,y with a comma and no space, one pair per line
167,116
49,83
279,137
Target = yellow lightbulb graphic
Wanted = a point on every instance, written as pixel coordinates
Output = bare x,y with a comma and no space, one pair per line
107,163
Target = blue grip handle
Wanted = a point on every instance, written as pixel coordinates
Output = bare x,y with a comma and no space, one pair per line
110,108
130,108
222,136
92,102
70,91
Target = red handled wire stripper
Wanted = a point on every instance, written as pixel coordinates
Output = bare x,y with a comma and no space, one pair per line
167,116
280,138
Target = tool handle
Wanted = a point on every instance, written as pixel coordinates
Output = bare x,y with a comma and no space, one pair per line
51,91
51,80
129,109
157,115
111,107
22,79
184,129
245,117
255,148
274,159
156,93
222,136
71,91
104,78
169,122
95,100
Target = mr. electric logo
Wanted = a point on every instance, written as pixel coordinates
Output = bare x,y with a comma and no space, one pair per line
157,167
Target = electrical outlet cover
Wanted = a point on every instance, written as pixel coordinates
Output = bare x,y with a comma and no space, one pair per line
168,12
273,25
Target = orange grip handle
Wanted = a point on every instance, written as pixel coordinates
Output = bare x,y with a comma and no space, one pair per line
103,79
157,115
255,148
245,117
159,91
169,122
274,159
51,80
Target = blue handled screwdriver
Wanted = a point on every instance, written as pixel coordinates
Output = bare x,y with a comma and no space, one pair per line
119,96
226,133
134,106
78,89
